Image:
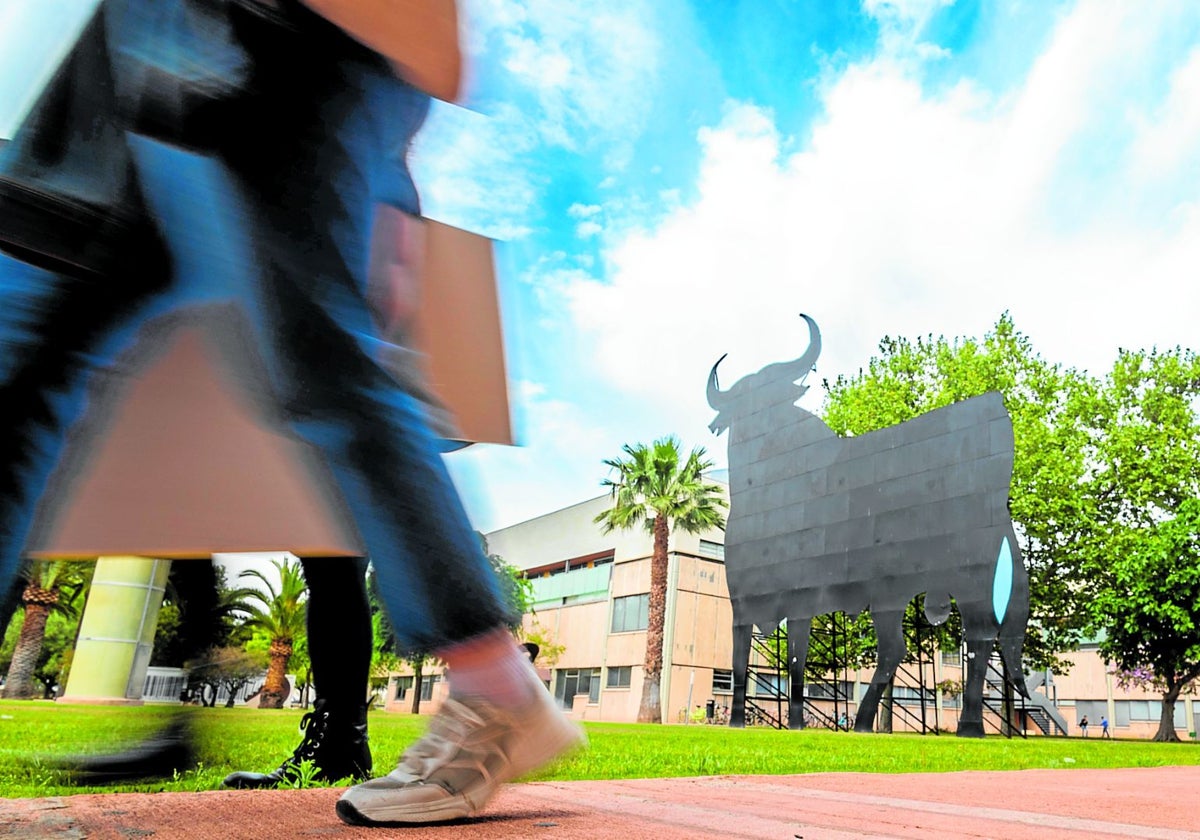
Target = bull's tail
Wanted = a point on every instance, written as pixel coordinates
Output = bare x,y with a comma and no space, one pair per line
1010,602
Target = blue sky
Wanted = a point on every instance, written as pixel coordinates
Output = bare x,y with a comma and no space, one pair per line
669,181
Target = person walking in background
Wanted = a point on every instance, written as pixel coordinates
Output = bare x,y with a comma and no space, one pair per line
1083,725
334,738
1104,733
269,206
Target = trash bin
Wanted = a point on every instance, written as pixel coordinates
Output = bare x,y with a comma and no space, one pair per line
710,710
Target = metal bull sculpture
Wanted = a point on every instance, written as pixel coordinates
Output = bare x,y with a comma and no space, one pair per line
819,523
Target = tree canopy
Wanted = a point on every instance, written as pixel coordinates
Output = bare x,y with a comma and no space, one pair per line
1105,491
1143,553
1049,504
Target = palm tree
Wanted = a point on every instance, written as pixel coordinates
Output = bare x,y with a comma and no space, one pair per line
653,488
50,586
281,617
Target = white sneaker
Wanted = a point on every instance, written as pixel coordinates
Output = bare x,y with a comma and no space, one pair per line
471,748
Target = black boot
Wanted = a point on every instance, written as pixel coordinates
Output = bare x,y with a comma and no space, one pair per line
159,756
335,741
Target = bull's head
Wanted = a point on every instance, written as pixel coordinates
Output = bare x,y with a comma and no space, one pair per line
737,401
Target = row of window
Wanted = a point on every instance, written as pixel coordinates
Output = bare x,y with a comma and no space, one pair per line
404,686
570,682
1133,711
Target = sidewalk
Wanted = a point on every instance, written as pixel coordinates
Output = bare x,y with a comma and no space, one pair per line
1070,804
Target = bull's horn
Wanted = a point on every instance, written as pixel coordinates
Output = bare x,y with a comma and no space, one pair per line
800,368
716,398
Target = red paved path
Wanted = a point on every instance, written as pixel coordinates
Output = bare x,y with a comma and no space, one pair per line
1160,802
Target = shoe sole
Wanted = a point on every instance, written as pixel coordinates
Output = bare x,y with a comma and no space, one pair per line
452,809
567,738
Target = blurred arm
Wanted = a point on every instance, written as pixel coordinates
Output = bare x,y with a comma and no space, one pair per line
419,37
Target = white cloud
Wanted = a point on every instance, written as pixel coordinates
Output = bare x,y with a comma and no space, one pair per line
901,23
583,211
589,66
463,164
575,76
1168,139
910,212
586,230
541,474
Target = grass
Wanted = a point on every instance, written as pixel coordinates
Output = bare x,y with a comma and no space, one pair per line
34,733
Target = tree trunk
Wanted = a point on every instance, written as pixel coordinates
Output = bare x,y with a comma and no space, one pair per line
651,708
272,695
20,682
418,678
1166,722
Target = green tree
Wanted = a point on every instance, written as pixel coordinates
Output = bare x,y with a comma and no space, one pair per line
1149,611
516,589
228,667
549,648
654,486
200,611
280,616
418,661
1049,498
384,659
1143,555
58,647
50,587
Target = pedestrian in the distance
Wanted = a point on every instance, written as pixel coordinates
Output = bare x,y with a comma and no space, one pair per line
1083,725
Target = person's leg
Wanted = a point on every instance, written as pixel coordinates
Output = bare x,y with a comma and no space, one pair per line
339,647
439,588
172,748
55,332
197,245
310,199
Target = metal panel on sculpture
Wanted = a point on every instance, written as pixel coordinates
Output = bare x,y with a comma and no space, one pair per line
819,524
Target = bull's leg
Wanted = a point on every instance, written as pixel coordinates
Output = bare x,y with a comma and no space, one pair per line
798,630
742,636
970,720
889,654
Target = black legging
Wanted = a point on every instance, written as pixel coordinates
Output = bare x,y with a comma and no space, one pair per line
339,628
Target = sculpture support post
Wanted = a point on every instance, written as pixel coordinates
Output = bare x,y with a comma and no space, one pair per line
116,633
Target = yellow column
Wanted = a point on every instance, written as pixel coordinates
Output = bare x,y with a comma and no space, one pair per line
116,633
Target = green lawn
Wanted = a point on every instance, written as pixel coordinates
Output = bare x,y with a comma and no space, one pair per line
33,733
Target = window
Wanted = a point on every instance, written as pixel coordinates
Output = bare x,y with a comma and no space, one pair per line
841,690
1144,710
909,694
164,686
952,658
712,550
427,684
766,684
403,686
722,681
631,613
619,676
573,681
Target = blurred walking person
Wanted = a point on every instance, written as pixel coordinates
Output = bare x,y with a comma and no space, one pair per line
153,186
